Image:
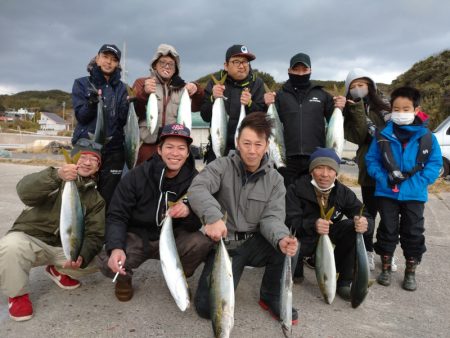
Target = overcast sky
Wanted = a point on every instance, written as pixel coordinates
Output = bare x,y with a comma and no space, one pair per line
46,44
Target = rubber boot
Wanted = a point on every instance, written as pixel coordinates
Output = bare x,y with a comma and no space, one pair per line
384,278
409,282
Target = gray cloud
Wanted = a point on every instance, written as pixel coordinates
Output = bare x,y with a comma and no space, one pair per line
46,44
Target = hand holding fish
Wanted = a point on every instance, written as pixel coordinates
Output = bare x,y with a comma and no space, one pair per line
269,98
216,230
68,172
246,97
339,102
117,261
288,245
179,210
191,88
73,265
218,90
150,85
323,226
361,224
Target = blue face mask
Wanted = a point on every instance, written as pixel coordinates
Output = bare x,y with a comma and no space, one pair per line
402,118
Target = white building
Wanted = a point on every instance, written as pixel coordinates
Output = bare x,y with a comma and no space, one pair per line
51,123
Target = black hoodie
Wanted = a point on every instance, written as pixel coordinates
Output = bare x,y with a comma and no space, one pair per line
139,202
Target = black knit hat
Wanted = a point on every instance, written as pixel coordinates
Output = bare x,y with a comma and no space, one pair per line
324,156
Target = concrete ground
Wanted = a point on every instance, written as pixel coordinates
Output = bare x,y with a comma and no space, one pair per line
93,311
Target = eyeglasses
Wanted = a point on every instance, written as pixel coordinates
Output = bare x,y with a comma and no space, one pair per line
170,65
86,158
238,63
91,144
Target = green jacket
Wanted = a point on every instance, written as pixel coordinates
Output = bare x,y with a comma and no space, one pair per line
41,193
356,131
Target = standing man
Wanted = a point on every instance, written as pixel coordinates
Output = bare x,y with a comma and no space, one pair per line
139,205
304,199
241,87
166,83
104,79
34,239
303,108
246,187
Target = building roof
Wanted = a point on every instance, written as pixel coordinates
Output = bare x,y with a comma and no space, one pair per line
56,118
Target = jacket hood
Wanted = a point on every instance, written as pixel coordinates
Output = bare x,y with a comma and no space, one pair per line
164,50
357,73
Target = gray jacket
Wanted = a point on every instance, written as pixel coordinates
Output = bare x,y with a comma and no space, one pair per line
254,202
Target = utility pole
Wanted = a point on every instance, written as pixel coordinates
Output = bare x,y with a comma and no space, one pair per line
124,63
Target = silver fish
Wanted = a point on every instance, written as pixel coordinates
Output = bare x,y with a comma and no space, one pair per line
171,266
184,114
151,113
335,132
132,139
277,149
241,117
219,122
221,293
326,268
99,135
71,222
360,284
286,297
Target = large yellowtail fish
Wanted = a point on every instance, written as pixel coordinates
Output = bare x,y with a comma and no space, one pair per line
335,132
241,117
101,122
221,293
171,266
325,264
219,124
184,114
132,139
151,113
277,149
71,219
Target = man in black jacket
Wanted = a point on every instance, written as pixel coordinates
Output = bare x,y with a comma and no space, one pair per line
139,205
241,87
302,107
303,201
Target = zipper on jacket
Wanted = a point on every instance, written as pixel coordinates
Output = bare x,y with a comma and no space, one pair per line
300,128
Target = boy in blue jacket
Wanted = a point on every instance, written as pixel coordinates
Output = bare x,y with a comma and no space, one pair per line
404,159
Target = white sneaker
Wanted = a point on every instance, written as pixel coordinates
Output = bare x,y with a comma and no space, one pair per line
393,264
371,259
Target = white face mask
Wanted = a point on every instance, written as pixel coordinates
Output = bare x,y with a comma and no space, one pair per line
314,183
402,119
359,92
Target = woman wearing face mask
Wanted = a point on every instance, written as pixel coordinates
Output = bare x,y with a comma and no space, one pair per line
365,112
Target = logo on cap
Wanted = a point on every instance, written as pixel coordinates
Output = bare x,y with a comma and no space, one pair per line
177,127
244,49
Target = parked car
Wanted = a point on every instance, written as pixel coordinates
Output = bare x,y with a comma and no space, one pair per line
442,133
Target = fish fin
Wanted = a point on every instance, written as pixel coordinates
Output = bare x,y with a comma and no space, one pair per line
329,213
213,78
322,212
66,156
225,217
266,88
224,77
361,210
337,275
91,136
371,282
76,157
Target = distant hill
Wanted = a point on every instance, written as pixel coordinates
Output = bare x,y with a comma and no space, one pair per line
37,101
432,77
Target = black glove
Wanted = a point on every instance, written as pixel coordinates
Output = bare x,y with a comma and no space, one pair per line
92,97
396,177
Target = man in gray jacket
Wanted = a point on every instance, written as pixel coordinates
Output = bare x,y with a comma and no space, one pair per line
247,188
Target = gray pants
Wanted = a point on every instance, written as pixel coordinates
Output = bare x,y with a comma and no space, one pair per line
20,252
193,247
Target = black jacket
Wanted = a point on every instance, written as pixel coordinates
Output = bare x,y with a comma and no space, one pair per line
302,209
303,117
139,202
233,91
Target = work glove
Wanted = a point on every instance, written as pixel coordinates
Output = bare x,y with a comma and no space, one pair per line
92,97
396,177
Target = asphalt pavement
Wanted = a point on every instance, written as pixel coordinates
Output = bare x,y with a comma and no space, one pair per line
93,311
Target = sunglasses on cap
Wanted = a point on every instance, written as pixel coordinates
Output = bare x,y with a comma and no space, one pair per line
87,143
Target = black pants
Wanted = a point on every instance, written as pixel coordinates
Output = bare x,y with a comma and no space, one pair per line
110,174
255,251
404,219
371,205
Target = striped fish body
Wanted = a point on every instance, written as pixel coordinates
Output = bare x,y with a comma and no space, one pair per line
171,266
132,139
222,293
219,122
71,223
151,113
184,114
326,268
360,284
335,132
277,149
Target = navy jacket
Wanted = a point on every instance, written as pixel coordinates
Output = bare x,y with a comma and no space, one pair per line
114,95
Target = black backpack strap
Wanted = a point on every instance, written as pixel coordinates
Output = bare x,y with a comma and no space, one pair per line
389,161
425,144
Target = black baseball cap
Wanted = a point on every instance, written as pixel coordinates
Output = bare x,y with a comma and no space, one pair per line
239,50
178,130
300,58
108,48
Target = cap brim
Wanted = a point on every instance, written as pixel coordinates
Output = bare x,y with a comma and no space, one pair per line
303,63
248,56
187,138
